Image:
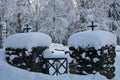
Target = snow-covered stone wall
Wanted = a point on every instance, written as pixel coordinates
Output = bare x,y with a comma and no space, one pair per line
92,52
25,50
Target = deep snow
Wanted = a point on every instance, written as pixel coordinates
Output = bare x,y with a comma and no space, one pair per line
28,40
92,39
8,72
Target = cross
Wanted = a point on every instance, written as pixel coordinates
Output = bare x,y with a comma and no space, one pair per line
27,28
92,26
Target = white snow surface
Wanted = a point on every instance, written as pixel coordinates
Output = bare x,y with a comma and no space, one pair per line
55,54
8,72
28,40
95,39
57,51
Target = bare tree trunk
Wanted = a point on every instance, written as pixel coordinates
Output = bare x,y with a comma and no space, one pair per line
19,28
0,36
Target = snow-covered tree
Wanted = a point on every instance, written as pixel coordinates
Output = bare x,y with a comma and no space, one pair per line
59,18
113,11
17,14
114,15
53,18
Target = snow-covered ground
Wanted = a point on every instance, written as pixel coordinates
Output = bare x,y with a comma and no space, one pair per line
8,72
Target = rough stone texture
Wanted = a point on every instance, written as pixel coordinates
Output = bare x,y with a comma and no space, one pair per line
90,61
32,61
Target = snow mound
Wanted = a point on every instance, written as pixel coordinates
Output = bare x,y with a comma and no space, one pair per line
58,47
27,40
95,39
56,51
55,54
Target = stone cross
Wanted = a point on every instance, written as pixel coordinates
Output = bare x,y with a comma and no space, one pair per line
26,28
92,26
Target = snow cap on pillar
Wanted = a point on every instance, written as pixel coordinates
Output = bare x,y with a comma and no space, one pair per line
95,39
28,40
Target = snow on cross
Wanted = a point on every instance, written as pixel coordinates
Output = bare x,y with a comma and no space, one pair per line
27,28
92,26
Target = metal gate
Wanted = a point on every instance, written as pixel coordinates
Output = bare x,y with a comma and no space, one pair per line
56,66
